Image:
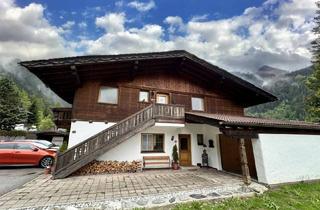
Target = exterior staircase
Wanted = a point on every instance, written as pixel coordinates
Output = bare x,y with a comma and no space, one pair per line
88,150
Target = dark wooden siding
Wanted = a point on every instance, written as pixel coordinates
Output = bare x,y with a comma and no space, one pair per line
180,89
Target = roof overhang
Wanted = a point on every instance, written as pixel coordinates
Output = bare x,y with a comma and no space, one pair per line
244,126
65,75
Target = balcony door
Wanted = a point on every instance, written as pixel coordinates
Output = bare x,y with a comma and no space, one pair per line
162,98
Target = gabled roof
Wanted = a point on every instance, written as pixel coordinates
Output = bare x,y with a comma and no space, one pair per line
63,75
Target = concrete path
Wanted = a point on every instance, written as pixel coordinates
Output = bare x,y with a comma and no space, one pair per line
13,177
125,191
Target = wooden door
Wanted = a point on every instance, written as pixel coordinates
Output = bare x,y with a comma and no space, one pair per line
185,149
230,155
162,98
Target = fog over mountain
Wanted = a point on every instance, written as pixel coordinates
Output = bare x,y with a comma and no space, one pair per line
29,82
289,87
267,76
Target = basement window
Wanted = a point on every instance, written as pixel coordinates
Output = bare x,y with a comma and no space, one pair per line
152,142
108,95
197,104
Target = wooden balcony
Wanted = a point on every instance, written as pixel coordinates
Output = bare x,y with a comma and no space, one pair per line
62,117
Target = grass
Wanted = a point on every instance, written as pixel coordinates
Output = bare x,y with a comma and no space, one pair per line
302,196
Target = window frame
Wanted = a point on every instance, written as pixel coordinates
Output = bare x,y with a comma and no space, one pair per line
147,91
99,95
198,110
163,94
153,151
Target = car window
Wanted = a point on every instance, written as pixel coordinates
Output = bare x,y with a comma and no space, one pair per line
24,146
45,143
40,145
6,146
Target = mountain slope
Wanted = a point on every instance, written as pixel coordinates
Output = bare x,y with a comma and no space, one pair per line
29,82
288,87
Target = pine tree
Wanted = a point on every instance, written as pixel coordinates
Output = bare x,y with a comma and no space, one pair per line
313,82
12,110
33,114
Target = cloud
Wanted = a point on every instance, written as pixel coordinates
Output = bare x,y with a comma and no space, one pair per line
175,24
68,25
198,18
141,6
278,33
82,25
111,22
27,34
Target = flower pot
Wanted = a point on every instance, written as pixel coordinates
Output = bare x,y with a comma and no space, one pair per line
175,166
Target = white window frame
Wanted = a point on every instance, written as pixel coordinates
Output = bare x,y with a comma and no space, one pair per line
202,104
152,142
108,102
148,95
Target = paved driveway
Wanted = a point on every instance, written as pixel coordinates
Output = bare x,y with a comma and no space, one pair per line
125,191
14,177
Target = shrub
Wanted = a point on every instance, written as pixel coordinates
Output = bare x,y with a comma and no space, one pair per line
175,156
64,146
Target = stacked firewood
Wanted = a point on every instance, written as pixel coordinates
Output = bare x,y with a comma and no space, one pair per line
109,167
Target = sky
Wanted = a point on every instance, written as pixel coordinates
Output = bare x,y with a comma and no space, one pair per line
238,35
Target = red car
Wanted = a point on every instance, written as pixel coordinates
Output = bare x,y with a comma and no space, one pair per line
25,153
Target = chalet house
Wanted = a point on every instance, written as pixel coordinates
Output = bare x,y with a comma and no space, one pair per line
136,106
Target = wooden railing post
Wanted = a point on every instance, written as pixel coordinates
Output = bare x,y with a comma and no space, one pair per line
244,162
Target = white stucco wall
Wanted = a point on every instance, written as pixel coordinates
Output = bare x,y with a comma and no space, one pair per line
81,130
131,149
282,158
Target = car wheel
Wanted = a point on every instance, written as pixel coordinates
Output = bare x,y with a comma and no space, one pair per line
46,161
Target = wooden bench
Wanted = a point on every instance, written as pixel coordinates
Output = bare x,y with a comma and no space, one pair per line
156,162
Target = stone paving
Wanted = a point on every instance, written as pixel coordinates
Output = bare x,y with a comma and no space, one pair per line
124,191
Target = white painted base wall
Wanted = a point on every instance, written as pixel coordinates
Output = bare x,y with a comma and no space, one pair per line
131,149
282,158
81,130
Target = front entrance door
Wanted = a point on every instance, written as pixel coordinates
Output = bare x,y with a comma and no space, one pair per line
185,149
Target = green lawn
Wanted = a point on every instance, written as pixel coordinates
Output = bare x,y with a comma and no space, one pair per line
298,196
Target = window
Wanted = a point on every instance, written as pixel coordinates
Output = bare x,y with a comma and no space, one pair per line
211,143
24,146
6,146
108,95
200,139
144,96
162,98
197,104
152,142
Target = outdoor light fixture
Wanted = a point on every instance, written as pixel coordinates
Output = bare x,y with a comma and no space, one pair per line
172,138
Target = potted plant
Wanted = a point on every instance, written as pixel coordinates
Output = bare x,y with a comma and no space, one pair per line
175,157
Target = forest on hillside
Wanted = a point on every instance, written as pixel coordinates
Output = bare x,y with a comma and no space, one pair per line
290,88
